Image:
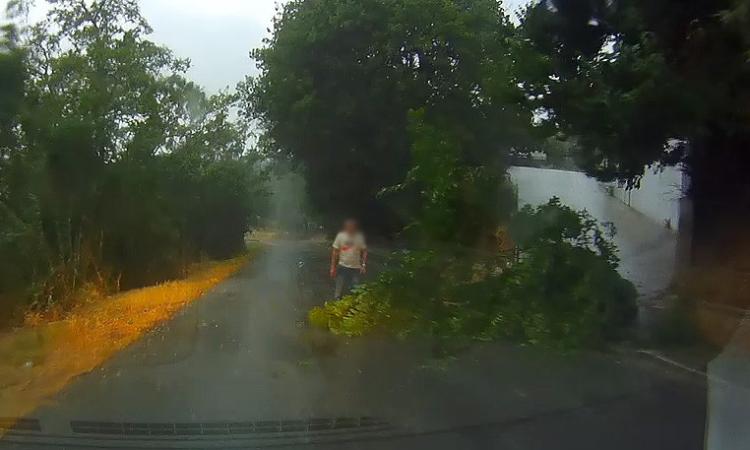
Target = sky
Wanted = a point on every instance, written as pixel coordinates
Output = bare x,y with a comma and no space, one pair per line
216,35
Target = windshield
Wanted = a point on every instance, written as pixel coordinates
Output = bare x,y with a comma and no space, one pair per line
374,224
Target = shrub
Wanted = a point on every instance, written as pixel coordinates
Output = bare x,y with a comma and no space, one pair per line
564,291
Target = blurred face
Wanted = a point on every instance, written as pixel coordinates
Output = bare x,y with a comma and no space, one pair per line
351,226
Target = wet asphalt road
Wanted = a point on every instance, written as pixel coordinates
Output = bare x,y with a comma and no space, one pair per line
243,362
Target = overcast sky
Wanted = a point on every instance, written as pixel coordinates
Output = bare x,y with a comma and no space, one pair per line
216,35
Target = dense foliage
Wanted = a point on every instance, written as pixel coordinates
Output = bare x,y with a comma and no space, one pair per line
115,170
341,80
454,203
563,291
651,82
407,113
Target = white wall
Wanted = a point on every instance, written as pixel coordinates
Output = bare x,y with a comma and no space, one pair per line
658,196
648,250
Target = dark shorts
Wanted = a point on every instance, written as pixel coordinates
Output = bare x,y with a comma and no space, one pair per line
346,279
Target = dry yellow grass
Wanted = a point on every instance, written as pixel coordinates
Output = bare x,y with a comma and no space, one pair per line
37,362
264,235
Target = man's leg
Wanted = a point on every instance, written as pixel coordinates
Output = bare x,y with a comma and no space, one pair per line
340,283
356,278
350,278
353,280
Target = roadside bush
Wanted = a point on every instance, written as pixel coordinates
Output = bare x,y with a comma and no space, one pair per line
563,292
115,171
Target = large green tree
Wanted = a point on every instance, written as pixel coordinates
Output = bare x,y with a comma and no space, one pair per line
415,107
643,83
115,169
339,80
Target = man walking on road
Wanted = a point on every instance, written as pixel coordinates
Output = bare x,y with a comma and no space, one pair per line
348,258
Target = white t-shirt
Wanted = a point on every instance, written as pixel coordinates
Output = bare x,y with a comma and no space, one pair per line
350,247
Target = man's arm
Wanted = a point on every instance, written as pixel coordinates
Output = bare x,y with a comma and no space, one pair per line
364,261
363,254
334,261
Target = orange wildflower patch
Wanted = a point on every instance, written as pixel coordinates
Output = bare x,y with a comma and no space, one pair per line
38,361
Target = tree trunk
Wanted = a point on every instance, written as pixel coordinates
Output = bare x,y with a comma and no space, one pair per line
720,195
720,191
